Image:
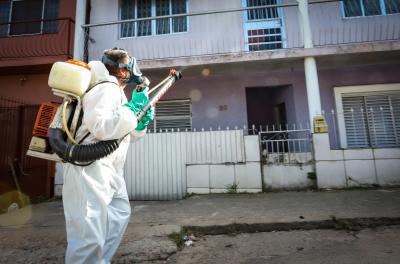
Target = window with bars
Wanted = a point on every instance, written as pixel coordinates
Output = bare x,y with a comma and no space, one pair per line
131,9
172,114
264,39
19,10
372,119
264,13
356,8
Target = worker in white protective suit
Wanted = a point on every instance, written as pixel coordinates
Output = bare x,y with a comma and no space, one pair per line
95,199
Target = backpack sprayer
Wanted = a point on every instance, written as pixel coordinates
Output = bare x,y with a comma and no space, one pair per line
56,124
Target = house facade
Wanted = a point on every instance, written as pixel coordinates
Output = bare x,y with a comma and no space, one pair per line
33,35
247,67
268,72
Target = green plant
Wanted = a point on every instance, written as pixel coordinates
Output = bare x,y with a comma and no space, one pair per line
232,188
177,238
343,224
312,176
232,231
187,195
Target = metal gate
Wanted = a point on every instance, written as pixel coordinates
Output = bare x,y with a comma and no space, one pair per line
287,158
279,146
19,172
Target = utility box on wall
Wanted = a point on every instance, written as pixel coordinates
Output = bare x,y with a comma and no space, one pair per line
320,125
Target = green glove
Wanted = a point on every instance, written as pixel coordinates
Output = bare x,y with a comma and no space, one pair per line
142,124
139,100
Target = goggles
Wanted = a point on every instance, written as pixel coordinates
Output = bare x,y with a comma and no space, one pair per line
132,67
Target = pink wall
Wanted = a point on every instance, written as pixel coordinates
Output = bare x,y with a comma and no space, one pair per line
32,89
41,48
229,89
354,75
208,93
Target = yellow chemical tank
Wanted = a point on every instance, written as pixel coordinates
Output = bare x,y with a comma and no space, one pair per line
71,76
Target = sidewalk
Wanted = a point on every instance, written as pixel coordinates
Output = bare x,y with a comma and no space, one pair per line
152,221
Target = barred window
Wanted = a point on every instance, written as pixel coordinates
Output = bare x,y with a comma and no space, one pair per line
162,9
131,9
265,13
356,8
19,10
172,114
372,119
179,24
143,10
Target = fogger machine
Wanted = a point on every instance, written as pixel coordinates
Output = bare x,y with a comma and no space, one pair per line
56,124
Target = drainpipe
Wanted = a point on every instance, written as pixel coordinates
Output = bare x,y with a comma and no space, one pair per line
310,65
79,37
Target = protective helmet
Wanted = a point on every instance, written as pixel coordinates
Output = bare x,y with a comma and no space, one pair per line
134,75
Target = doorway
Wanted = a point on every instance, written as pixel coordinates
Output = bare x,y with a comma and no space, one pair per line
270,106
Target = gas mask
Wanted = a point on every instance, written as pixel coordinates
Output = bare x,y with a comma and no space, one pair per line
134,74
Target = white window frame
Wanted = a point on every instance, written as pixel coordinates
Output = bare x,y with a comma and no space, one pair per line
381,5
153,22
341,90
10,16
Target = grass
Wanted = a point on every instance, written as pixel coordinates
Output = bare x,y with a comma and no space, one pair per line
232,188
312,176
177,238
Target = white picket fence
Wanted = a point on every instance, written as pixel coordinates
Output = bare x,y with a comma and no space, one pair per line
155,168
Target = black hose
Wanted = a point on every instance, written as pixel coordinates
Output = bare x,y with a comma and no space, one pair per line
80,154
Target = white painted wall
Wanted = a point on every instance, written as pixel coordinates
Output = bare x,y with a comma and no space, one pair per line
218,178
208,34
288,171
355,167
223,33
287,176
329,26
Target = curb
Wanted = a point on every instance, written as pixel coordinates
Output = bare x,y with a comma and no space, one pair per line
349,224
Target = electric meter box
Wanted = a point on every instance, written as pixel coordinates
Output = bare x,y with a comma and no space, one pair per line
320,125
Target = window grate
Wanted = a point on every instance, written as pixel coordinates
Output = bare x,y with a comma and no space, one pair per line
372,120
172,114
127,29
143,11
130,9
179,24
357,8
264,13
162,9
264,39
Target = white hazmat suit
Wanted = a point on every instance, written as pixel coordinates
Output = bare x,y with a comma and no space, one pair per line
95,199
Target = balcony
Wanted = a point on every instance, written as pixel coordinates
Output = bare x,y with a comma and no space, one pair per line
231,36
36,42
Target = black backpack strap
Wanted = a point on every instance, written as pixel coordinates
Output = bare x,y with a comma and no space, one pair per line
87,134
